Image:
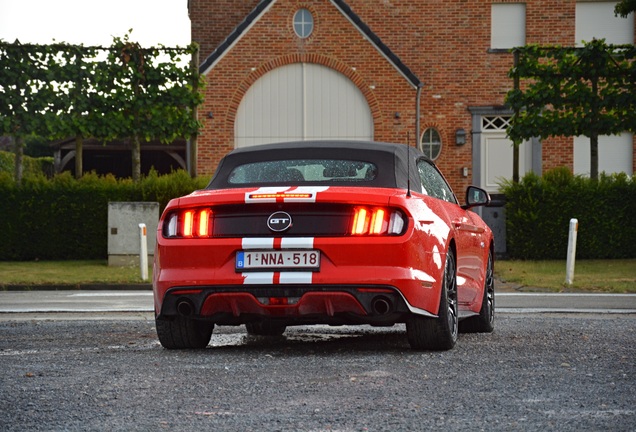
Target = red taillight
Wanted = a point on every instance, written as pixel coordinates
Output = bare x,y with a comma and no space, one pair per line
188,223
376,221
188,218
204,223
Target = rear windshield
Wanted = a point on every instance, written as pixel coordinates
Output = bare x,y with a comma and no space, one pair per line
300,171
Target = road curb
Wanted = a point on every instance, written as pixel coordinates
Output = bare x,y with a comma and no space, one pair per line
80,287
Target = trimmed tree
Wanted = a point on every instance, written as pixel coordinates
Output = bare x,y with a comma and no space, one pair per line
24,95
567,91
120,92
154,92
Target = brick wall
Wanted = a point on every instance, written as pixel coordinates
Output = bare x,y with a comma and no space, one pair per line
271,43
445,43
213,20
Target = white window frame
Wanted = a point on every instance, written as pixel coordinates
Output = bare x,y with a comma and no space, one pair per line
507,25
303,23
596,20
615,154
430,147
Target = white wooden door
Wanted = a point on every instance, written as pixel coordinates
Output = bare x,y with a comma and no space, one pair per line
302,102
497,154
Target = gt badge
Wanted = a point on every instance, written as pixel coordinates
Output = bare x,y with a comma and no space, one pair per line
279,221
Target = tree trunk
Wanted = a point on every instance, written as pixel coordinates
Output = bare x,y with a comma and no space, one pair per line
515,145
594,156
515,163
136,159
193,142
594,132
79,167
18,143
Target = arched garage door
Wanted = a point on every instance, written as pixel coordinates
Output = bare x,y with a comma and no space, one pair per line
299,102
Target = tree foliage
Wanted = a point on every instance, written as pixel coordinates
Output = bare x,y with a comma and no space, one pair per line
588,91
119,92
625,7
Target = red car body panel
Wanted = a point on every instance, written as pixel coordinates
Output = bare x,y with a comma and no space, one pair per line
412,263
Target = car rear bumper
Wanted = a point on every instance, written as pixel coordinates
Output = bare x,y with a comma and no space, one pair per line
204,273
294,304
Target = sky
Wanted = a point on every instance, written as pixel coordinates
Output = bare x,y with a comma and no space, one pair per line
94,23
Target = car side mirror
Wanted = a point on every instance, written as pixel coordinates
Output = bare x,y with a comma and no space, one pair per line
476,197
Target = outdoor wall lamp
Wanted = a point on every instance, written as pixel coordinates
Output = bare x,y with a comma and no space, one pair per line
210,114
460,137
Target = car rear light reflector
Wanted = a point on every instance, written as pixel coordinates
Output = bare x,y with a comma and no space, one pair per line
188,223
376,221
376,290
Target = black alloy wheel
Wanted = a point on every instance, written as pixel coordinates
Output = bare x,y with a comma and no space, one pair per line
438,334
485,321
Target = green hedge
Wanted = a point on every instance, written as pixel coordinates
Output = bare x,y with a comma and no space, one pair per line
31,165
539,209
64,218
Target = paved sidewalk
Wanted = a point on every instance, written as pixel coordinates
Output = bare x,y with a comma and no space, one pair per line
500,286
50,304
79,287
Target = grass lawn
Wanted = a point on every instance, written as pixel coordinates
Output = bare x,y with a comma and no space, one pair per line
67,273
617,276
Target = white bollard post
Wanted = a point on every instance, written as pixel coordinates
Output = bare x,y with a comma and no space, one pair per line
569,271
143,254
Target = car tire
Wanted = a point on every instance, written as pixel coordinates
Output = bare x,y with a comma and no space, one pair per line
485,321
438,334
183,333
265,328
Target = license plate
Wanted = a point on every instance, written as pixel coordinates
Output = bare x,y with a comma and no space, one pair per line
274,260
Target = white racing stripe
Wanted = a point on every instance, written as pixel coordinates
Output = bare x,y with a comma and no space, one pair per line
297,243
268,278
257,243
286,243
258,278
296,278
275,278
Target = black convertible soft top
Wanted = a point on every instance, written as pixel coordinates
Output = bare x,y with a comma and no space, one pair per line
392,161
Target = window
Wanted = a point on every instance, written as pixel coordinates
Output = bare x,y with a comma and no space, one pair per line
596,20
431,144
303,23
508,25
433,183
615,154
303,171
495,123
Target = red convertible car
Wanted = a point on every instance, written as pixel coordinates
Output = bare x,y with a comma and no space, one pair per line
324,232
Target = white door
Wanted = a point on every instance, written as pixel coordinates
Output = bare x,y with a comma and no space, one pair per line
497,154
299,102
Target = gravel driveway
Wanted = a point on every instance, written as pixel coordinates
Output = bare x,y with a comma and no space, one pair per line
539,372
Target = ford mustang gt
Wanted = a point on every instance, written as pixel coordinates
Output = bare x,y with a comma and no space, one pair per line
324,232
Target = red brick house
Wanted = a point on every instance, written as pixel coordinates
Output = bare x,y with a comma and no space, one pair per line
431,73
